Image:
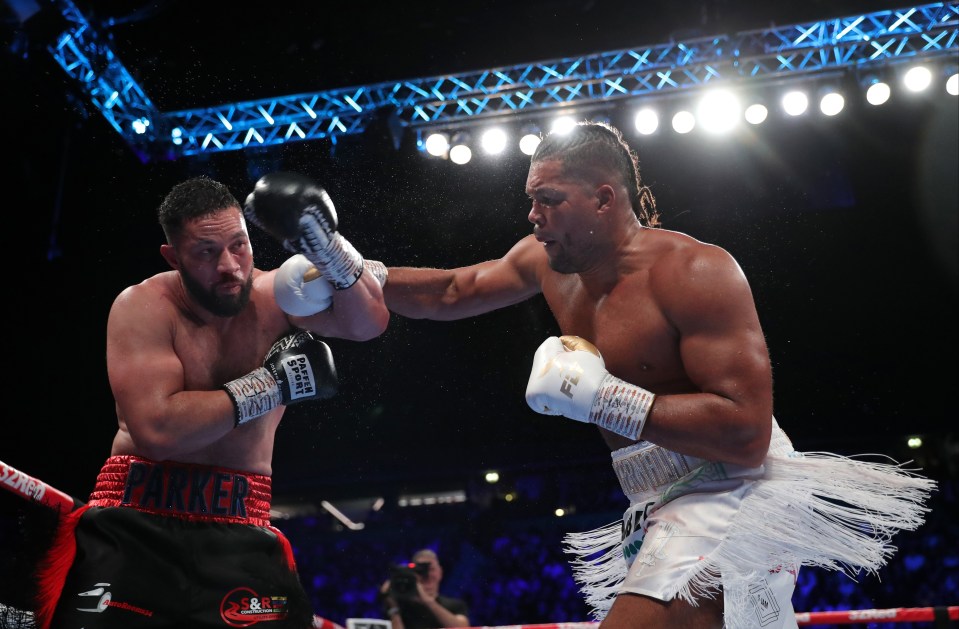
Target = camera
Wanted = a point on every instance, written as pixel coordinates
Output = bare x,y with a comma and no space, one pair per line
403,579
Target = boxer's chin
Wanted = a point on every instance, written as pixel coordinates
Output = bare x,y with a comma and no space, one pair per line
220,304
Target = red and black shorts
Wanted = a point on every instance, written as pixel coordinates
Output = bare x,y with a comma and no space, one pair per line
179,546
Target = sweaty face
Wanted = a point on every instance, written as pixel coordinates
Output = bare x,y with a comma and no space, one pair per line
563,215
216,262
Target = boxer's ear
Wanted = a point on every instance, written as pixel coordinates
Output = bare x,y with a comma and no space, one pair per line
169,254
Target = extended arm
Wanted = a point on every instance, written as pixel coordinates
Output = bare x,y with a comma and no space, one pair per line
300,215
448,294
356,313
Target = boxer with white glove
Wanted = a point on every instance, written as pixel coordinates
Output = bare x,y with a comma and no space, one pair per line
300,214
300,289
297,368
569,378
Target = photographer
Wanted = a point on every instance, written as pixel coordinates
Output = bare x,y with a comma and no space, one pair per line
411,598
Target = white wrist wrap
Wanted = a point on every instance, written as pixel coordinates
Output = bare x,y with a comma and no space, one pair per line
621,407
253,395
378,269
330,253
339,262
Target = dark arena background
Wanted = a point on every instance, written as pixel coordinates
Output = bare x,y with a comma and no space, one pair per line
845,225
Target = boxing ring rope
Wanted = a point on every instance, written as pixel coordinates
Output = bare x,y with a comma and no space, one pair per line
897,614
33,489
939,615
846,617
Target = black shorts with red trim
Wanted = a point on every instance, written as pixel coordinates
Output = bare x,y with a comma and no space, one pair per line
153,563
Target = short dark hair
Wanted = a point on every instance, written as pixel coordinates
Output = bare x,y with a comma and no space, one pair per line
194,198
599,145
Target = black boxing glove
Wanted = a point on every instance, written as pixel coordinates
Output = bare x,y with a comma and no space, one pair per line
300,214
297,368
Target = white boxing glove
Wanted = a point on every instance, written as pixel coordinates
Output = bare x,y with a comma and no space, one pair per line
569,378
299,288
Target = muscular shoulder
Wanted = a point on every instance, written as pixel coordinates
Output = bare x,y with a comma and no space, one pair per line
682,256
689,275
529,258
153,293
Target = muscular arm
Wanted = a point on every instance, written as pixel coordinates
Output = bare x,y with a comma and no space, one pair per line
421,293
721,343
358,313
147,378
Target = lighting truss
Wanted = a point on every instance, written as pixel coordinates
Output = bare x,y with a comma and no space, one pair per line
858,41
87,59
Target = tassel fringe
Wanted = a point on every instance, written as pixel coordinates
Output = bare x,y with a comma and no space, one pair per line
808,509
52,571
599,567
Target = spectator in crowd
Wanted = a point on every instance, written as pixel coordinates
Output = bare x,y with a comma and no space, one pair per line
411,597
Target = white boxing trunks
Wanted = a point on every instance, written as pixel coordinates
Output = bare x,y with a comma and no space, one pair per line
697,529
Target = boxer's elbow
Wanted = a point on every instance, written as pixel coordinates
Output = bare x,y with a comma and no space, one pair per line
376,323
155,440
155,446
368,327
750,443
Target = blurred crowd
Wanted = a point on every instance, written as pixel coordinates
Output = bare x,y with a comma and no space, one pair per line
512,570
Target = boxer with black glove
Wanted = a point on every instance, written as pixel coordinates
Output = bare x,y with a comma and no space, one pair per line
297,368
300,214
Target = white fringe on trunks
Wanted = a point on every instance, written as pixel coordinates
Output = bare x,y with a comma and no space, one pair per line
803,509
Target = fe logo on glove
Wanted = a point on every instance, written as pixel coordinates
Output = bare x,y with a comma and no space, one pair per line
569,378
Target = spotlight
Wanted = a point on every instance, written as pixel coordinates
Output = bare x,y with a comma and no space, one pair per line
460,153
878,92
683,122
493,141
756,113
646,121
917,78
528,143
140,125
563,124
952,79
530,138
831,103
437,144
795,103
719,111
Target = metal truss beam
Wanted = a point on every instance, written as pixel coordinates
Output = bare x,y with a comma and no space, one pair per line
858,41
85,57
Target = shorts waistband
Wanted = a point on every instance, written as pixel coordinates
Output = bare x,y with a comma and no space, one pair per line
644,466
183,490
